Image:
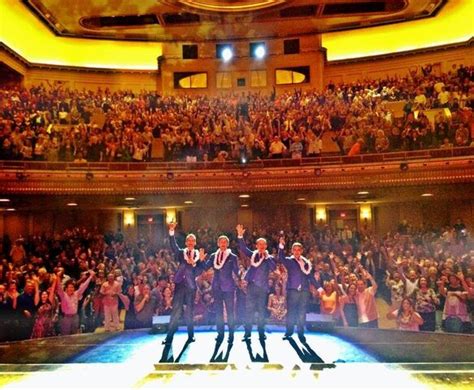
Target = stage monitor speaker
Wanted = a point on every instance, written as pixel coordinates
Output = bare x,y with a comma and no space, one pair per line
319,322
160,324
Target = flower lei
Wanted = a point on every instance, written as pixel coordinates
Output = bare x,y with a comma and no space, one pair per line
193,260
224,258
253,263
304,263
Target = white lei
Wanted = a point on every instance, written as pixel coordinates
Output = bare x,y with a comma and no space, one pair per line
224,258
302,262
260,260
194,259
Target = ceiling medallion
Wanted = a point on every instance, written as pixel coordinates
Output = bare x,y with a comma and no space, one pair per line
229,6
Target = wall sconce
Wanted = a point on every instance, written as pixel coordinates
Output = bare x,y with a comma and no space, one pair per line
128,218
365,213
170,215
321,216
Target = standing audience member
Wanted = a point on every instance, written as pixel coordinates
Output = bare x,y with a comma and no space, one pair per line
69,298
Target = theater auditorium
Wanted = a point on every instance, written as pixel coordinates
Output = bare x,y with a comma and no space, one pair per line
236,194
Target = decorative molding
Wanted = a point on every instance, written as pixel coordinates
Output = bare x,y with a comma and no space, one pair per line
420,172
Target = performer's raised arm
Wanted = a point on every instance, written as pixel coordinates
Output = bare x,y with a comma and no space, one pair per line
240,237
171,229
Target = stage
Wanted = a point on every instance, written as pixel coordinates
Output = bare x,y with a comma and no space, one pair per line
361,358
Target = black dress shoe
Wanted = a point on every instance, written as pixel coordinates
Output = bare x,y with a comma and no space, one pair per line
220,337
246,337
286,336
262,336
166,342
191,339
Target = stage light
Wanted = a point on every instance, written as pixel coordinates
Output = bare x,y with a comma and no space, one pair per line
244,196
11,209
427,195
72,204
301,199
243,160
188,202
260,51
4,200
363,193
227,54
129,198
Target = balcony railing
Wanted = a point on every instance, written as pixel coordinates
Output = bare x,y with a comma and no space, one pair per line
232,164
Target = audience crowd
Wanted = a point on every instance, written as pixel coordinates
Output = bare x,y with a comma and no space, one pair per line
54,123
81,279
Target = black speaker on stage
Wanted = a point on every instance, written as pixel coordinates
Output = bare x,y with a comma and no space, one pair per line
319,322
160,324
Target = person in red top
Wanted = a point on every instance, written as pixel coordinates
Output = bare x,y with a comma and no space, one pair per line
356,148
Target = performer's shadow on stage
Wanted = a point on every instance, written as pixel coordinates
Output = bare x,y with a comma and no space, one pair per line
256,357
306,353
167,355
218,355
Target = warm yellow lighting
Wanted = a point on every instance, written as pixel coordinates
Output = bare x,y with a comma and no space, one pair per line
244,205
170,215
221,7
72,204
300,199
244,196
188,202
129,198
24,33
365,212
451,25
128,218
426,195
10,209
363,193
321,214
4,200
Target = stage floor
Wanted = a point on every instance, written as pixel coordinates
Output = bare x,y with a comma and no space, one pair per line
136,358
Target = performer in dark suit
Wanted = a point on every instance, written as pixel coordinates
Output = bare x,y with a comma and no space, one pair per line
300,276
256,277
225,265
191,264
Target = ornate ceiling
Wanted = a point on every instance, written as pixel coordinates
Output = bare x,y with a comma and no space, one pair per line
201,20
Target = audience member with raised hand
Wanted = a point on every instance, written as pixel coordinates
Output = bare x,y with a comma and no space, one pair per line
45,311
406,316
69,298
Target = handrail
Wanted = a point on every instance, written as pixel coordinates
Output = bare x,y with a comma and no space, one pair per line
267,163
